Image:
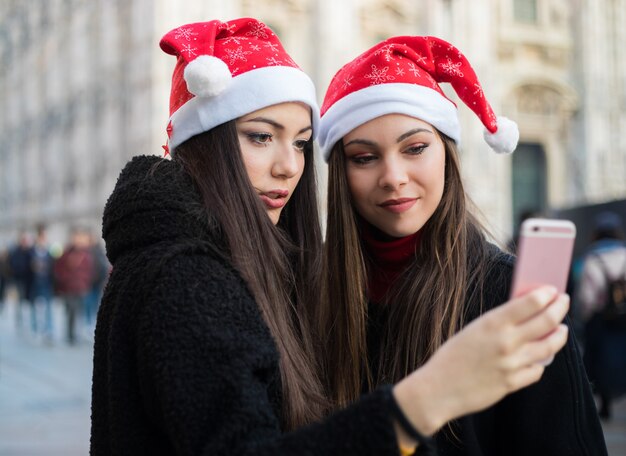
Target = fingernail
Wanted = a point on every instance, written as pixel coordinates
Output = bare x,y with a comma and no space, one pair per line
551,292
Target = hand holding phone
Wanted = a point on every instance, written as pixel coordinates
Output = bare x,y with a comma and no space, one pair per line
544,256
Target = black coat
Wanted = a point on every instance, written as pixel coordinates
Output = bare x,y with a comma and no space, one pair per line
556,416
183,361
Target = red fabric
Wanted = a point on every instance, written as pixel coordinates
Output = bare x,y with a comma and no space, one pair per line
389,257
419,60
73,272
242,44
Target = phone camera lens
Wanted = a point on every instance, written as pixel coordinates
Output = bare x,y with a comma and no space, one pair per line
535,228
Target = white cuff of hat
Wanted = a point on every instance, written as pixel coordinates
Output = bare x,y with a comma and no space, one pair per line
375,101
247,92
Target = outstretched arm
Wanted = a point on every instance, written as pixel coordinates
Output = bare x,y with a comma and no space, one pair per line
495,355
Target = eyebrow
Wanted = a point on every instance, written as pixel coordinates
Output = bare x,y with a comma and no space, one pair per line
402,137
409,133
275,124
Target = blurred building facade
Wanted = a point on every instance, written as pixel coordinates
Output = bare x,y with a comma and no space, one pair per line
84,87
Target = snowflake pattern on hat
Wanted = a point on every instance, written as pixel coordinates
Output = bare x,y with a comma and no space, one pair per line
237,54
234,42
379,76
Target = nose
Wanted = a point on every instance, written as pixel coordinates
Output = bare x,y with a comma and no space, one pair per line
286,162
393,174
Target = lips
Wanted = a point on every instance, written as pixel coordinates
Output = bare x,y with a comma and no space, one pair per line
274,199
398,205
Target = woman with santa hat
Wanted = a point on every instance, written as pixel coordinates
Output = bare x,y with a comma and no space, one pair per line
202,342
413,290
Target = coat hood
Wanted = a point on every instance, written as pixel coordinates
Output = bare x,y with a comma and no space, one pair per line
154,201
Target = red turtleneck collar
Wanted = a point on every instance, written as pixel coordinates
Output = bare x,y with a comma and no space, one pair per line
388,257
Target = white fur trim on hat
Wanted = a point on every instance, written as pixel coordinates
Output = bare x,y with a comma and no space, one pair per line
248,92
504,140
367,104
207,76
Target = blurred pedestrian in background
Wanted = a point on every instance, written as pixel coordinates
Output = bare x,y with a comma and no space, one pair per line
41,292
601,300
22,276
4,276
73,273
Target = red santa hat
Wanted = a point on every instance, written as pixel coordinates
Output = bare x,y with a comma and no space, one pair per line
401,75
225,70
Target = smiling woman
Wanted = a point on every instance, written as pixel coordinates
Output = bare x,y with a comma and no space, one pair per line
395,166
414,295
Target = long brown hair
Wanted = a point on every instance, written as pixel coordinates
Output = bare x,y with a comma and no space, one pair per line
426,304
280,264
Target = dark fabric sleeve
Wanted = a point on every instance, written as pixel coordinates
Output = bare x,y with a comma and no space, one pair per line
206,363
557,415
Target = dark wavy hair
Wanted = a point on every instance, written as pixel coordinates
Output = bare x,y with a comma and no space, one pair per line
280,264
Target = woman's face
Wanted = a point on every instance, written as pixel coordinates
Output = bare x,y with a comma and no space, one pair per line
272,142
395,166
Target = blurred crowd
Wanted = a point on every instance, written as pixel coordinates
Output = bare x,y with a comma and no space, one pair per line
41,275
598,289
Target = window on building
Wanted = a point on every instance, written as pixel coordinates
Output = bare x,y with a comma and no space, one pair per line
529,180
525,11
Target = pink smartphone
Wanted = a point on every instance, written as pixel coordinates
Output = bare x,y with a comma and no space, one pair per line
544,255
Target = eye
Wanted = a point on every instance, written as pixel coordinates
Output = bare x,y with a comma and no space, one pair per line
416,149
362,159
301,144
261,139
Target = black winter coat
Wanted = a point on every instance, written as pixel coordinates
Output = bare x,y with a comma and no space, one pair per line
183,361
554,417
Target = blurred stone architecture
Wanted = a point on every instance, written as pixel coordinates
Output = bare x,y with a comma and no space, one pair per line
84,86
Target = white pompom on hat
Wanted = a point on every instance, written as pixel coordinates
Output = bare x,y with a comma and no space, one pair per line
401,75
505,138
207,76
225,70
